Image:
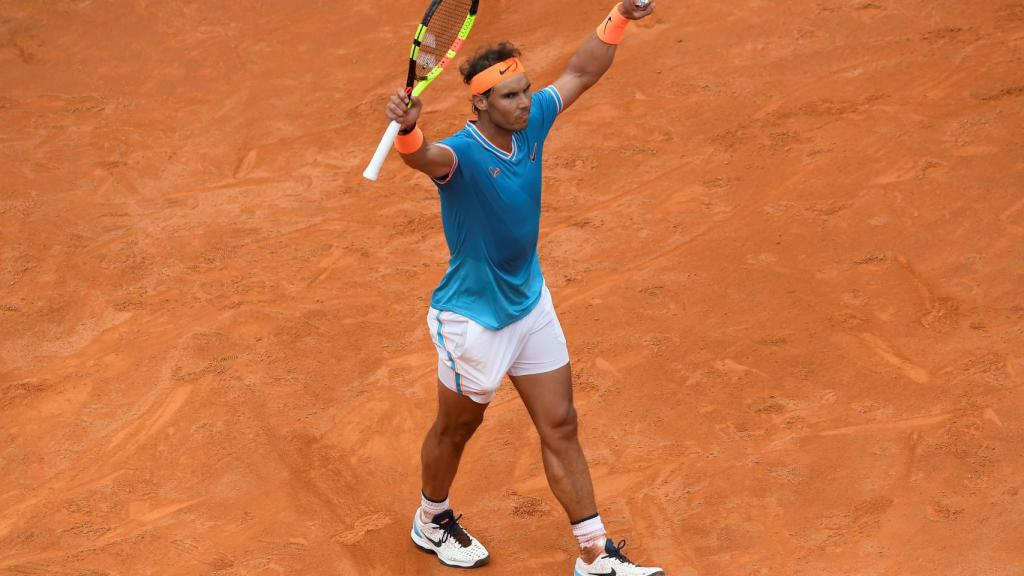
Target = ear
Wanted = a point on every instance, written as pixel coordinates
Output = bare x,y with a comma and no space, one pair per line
480,102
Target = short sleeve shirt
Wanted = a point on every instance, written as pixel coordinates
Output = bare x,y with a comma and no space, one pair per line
490,211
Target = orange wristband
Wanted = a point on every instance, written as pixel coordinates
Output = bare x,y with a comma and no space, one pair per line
409,143
613,28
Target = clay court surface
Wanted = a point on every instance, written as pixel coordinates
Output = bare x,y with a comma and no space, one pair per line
785,240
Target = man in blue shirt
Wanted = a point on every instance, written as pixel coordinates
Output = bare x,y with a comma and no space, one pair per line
492,314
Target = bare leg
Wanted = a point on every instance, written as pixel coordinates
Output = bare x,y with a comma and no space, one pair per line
548,399
457,419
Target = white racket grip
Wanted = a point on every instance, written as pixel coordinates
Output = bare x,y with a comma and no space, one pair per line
373,169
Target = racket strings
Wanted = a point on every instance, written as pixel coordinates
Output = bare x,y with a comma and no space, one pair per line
442,30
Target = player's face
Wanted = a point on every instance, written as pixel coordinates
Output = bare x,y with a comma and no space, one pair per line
509,104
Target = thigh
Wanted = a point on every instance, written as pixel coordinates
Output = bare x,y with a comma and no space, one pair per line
456,410
547,396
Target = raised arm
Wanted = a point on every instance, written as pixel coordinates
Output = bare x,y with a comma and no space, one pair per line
595,55
433,160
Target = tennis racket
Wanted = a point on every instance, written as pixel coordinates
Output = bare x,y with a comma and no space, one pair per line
442,32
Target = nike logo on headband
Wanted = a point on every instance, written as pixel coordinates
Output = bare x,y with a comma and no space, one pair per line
510,66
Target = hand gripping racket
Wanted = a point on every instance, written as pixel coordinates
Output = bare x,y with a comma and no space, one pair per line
444,29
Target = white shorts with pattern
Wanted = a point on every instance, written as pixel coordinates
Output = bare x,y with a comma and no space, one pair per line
472,360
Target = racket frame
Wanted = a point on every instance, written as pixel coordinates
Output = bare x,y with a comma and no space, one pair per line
415,85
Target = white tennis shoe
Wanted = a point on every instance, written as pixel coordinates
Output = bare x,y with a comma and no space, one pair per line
613,563
446,538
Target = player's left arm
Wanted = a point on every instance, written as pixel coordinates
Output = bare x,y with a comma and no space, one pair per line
595,55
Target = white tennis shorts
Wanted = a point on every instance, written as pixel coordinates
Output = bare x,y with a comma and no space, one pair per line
473,360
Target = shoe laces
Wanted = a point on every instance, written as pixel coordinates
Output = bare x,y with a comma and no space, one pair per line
449,524
616,553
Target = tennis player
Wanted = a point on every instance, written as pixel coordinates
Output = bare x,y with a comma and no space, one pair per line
492,314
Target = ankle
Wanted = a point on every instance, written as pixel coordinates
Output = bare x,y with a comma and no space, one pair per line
430,508
591,552
590,536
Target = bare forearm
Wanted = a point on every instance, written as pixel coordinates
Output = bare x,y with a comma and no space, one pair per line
591,61
418,159
594,57
433,160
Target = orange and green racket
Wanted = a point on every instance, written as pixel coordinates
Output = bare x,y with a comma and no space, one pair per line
439,36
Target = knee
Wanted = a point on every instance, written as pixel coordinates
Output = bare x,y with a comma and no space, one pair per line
562,428
457,431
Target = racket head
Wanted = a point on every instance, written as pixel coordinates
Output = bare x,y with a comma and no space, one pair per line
442,32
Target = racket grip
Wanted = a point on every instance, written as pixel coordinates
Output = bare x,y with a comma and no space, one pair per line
373,169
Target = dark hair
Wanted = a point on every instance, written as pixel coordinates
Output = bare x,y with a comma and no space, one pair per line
483,59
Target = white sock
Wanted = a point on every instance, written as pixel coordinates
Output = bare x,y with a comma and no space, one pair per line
589,531
429,508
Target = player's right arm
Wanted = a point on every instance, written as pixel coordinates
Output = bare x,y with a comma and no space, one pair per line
431,159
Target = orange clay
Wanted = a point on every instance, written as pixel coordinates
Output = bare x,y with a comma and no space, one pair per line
613,28
496,74
409,143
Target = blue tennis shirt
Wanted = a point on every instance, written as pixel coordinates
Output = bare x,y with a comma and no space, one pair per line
490,210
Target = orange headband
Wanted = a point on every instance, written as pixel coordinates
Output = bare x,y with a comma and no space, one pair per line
496,74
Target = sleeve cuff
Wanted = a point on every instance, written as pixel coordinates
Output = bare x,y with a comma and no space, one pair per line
557,97
451,172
